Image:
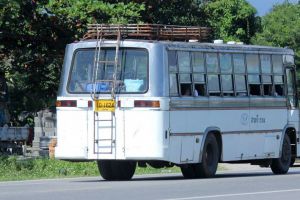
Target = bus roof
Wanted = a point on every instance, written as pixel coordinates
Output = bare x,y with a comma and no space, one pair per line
181,45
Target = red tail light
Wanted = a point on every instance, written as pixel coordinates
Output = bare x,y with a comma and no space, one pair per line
151,104
66,103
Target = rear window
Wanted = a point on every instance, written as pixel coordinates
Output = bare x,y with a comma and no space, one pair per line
131,71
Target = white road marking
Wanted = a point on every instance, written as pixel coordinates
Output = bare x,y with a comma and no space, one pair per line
237,194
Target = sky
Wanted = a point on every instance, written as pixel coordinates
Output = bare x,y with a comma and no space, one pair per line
264,6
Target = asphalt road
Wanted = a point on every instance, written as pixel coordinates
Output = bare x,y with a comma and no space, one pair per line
234,185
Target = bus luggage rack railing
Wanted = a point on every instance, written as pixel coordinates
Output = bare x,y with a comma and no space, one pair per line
148,32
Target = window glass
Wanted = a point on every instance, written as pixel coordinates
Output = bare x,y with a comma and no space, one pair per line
254,79
185,78
172,61
240,83
288,59
265,63
198,62
199,78
290,82
184,61
132,70
227,83
213,83
239,63
277,64
278,79
212,62
173,85
225,63
252,63
267,79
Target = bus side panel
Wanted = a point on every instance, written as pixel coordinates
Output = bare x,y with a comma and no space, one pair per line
145,134
197,122
254,135
72,132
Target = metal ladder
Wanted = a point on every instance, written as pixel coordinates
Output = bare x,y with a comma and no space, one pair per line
104,122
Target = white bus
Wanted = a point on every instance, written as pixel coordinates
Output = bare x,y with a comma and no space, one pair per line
146,100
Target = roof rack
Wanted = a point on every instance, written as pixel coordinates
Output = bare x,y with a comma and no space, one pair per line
148,32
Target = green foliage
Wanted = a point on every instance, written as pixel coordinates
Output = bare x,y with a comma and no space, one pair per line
174,12
33,38
232,19
281,27
14,168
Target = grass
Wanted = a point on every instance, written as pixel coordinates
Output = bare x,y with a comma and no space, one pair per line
17,168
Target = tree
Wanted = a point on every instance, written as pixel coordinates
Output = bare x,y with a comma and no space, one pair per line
232,20
33,38
281,28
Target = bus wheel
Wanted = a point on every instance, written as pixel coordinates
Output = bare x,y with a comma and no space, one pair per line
281,165
189,171
210,157
112,170
293,159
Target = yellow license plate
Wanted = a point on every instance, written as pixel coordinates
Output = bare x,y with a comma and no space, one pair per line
105,105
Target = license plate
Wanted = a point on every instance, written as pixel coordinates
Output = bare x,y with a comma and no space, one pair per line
105,105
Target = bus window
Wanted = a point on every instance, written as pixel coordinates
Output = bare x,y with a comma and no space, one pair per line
227,85
267,85
199,85
277,64
240,85
265,63
239,63
173,85
184,61
225,63
132,70
212,62
185,84
82,71
279,86
254,85
214,85
288,60
198,62
172,61
252,63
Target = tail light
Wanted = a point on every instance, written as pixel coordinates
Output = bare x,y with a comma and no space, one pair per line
66,103
148,103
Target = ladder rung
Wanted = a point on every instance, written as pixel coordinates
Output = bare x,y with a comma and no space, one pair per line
103,120
110,43
104,140
107,61
108,80
105,126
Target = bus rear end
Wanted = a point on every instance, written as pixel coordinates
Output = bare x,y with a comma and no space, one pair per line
127,126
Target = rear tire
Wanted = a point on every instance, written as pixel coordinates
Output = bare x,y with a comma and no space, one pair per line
189,171
112,170
281,165
209,164
210,157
